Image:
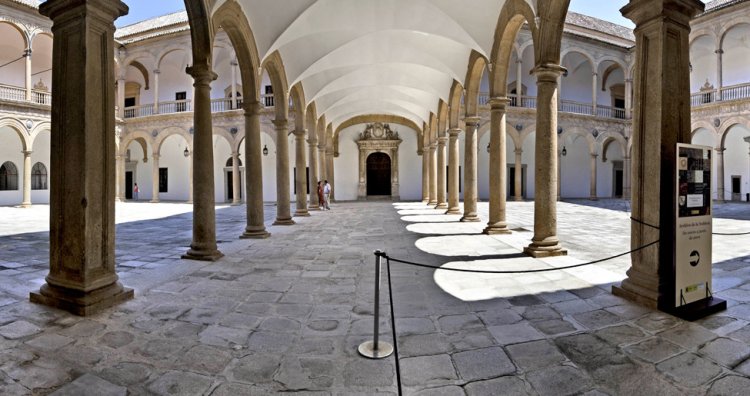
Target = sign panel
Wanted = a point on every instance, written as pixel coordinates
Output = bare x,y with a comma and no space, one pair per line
694,218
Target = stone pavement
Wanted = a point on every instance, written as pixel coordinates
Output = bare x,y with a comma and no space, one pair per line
285,314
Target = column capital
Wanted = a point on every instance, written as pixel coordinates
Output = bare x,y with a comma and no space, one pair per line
252,108
499,103
442,140
720,150
235,154
454,132
472,120
157,71
432,146
155,156
26,152
628,80
27,53
642,11
313,141
321,147
518,151
202,74
747,139
300,133
56,8
594,155
281,124
719,51
548,72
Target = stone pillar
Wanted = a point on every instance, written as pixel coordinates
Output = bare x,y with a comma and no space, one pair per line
204,245
441,169
518,181
322,162
330,174
470,170
236,184
661,120
559,175
82,277
121,97
498,168
594,88
190,178
626,172
628,98
155,178
233,65
255,227
720,192
453,176
395,189
433,175
120,164
300,162
592,178
26,179
519,83
314,178
156,91
283,196
545,242
426,174
29,83
719,72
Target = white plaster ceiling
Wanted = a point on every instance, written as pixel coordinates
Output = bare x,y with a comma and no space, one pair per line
354,57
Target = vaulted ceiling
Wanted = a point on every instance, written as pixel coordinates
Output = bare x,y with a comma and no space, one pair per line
392,57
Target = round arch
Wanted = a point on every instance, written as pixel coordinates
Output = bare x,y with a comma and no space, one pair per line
17,127
171,131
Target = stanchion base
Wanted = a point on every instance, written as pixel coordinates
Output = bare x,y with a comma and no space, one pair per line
384,350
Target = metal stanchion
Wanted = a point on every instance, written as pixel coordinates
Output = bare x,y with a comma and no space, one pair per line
376,349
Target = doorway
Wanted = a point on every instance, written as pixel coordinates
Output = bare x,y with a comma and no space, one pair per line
736,183
129,185
617,179
378,174
512,181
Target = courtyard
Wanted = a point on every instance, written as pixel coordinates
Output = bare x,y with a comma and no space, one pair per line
286,314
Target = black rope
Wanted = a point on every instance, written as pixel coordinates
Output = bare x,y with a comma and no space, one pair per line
40,72
519,271
730,234
393,324
643,223
13,61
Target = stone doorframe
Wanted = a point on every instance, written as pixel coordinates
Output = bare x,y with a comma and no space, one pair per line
367,147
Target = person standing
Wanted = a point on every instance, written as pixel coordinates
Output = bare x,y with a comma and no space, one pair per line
321,199
327,194
136,190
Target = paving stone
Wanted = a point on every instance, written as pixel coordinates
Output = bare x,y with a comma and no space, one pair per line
726,352
515,333
458,323
472,339
19,329
500,317
525,301
688,336
559,381
34,376
539,313
715,322
306,373
223,336
483,363
742,334
506,386
731,385
81,354
406,326
629,311
654,350
424,370
535,355
234,389
554,327
256,369
180,383
117,339
621,334
442,391
573,307
369,373
423,344
689,369
205,359
657,322
127,373
49,342
89,384
270,342
596,319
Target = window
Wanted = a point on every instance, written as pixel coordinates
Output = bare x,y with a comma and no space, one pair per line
163,180
268,97
181,96
129,102
39,176
8,177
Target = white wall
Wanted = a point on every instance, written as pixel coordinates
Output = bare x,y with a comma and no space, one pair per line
736,160
736,54
41,153
575,168
173,78
10,150
605,170
528,158
173,158
12,47
222,152
269,165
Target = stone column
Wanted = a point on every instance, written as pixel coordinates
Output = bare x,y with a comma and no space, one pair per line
720,192
661,120
518,181
121,97
592,177
719,72
545,242
300,162
190,178
395,189
26,179
255,227
322,161
626,172
498,168
433,175
628,98
426,174
283,196
156,91
453,176
559,174
233,65
330,173
441,169
519,83
236,184
594,87
120,164
314,178
29,83
155,178
470,171
204,245
82,277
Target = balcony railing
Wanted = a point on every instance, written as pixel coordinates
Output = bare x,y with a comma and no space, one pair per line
18,94
179,106
734,92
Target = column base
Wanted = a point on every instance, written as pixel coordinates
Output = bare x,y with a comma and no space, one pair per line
154,201
453,211
639,299
236,203
441,206
24,205
432,203
202,254
593,198
518,199
470,219
425,201
496,229
284,221
544,251
257,233
301,213
82,303
312,208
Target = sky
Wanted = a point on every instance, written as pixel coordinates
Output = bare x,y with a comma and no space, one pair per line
609,10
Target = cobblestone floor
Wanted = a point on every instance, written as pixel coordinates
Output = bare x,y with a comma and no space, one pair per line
285,314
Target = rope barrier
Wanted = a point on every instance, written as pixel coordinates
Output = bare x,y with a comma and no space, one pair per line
393,325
